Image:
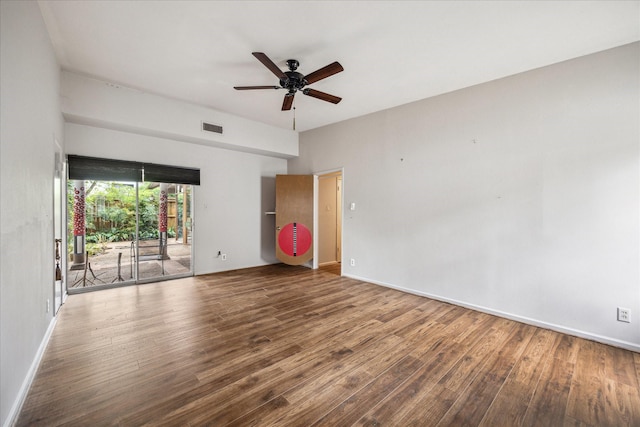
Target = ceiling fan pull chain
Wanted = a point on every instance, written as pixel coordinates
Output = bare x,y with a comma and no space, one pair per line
294,116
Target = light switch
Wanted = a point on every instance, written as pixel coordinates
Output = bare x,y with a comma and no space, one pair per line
353,206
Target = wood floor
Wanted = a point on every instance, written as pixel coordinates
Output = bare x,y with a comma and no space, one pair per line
289,346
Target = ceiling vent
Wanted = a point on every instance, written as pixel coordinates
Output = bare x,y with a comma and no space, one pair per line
208,127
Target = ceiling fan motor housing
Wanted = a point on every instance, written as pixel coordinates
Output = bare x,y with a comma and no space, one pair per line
293,82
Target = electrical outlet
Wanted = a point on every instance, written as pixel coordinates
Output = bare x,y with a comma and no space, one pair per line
48,305
353,262
224,257
624,315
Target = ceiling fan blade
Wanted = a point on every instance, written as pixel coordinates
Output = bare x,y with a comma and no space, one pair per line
269,64
324,72
321,95
255,87
288,102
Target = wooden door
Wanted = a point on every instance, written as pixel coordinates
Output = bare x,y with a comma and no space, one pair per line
294,218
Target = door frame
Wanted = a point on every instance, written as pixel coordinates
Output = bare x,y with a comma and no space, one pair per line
316,206
60,224
136,280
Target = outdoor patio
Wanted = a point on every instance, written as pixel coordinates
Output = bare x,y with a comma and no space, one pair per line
102,268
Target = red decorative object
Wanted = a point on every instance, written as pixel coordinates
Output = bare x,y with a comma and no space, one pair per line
162,215
78,211
294,239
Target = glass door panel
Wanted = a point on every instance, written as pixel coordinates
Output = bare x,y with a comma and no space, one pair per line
101,229
164,244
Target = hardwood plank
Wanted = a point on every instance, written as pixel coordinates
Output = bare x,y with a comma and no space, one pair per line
349,411
451,364
621,404
619,366
512,400
549,403
282,345
636,358
263,385
586,398
567,348
471,405
314,399
461,376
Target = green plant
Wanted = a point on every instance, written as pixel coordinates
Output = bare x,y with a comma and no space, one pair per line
93,249
148,234
111,211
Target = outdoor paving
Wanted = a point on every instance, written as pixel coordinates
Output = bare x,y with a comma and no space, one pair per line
105,265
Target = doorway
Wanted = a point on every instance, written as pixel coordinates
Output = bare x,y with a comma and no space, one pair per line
329,222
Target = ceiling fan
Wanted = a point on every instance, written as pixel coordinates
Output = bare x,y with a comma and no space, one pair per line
294,81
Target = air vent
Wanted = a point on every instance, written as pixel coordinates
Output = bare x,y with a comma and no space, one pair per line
211,128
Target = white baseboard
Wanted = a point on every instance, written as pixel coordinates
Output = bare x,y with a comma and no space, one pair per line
26,384
534,322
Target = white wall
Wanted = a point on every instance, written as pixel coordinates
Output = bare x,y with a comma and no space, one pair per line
520,196
238,168
103,104
236,190
30,120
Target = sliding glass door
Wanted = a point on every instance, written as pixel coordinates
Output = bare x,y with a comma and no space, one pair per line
164,244
122,231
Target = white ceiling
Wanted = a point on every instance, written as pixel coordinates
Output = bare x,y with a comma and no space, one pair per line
393,52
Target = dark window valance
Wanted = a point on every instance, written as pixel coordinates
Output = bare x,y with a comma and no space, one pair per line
81,167
171,174
103,169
